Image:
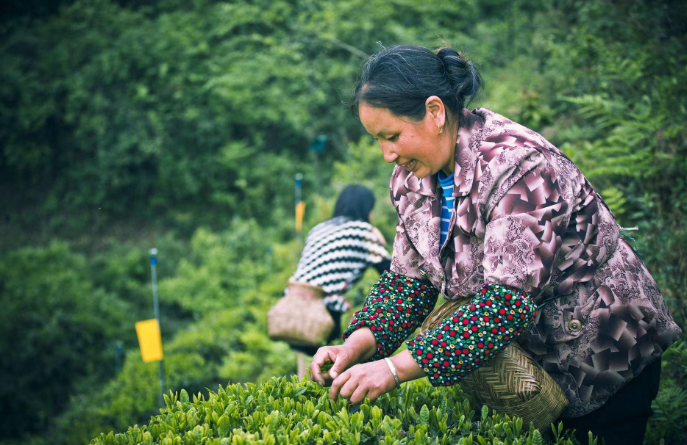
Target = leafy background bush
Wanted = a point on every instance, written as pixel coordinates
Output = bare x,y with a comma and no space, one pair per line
180,125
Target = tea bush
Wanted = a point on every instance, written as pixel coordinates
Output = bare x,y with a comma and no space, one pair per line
211,351
229,294
56,332
285,410
65,314
218,268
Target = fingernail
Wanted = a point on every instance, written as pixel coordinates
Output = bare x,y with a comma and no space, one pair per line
333,374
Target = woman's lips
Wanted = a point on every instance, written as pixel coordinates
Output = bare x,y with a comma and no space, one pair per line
410,166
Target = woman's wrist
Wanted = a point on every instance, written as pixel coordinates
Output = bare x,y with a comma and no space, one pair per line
392,368
407,368
363,344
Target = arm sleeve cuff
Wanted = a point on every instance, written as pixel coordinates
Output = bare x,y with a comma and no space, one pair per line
472,335
395,307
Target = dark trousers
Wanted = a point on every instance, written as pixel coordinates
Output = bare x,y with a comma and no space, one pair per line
623,419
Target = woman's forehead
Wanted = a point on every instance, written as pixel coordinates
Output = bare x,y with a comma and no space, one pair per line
376,119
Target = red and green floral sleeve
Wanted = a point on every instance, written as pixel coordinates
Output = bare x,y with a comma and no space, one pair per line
472,335
396,306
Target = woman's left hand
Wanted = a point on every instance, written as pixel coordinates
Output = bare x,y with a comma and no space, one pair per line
369,380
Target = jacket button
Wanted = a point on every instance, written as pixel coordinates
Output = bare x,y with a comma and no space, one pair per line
441,277
574,325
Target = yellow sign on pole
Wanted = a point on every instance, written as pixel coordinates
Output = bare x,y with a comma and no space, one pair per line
300,211
150,340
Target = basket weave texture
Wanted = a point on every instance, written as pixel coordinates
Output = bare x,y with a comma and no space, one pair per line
300,318
511,383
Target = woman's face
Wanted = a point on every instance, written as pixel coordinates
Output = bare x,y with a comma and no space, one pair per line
416,146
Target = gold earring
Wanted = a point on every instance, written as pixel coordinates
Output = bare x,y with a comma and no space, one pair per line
441,129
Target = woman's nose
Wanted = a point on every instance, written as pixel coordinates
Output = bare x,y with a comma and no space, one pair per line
389,155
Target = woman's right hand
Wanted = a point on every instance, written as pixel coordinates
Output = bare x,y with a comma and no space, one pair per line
342,357
360,346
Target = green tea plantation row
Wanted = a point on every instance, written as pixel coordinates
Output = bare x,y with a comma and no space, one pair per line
283,411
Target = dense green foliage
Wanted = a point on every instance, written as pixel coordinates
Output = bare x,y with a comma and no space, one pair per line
228,346
283,411
44,339
228,341
126,124
63,317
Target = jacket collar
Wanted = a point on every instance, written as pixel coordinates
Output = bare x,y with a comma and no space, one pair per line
467,148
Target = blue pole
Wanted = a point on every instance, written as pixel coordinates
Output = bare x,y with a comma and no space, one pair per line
156,308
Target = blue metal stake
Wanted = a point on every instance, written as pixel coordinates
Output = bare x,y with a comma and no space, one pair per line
156,308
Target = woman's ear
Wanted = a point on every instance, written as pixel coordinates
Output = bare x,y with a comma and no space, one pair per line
434,108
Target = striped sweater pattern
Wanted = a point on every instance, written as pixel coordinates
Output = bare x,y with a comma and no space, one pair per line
335,257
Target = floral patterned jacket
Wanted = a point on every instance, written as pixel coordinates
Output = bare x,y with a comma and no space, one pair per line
526,218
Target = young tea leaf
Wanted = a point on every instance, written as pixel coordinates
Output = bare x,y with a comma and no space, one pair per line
327,366
424,415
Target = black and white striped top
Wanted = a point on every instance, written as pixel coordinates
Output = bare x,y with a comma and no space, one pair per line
335,257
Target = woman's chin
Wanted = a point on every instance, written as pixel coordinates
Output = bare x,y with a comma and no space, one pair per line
422,172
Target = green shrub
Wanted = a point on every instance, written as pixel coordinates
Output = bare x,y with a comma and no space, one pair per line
218,268
669,423
56,331
229,345
300,412
224,282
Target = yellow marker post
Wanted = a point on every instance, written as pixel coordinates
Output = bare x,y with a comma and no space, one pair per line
150,340
300,211
300,207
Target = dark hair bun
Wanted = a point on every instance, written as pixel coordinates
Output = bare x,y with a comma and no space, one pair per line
464,78
401,78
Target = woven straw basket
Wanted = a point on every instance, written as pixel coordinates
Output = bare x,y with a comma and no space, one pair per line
511,382
300,318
